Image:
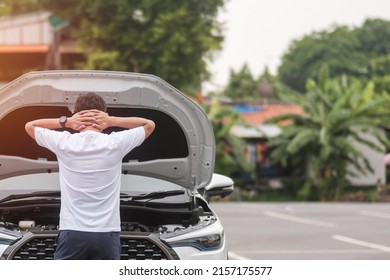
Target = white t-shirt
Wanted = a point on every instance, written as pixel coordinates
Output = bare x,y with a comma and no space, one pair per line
90,165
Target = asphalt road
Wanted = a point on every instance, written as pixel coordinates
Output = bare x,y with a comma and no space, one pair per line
306,231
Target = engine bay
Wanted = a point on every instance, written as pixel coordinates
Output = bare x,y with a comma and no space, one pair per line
135,219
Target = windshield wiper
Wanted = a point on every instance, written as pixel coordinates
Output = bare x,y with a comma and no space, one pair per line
153,195
33,194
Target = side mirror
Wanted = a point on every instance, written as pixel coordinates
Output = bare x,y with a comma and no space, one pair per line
220,186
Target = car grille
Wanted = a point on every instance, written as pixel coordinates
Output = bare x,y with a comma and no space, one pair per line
36,249
135,249
43,246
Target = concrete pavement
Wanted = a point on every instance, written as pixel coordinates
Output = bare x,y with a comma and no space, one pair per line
303,231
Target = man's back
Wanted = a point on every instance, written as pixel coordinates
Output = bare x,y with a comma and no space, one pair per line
90,168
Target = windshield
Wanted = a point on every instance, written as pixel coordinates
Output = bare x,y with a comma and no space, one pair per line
49,182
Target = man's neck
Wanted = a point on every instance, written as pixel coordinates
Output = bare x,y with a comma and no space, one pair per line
90,128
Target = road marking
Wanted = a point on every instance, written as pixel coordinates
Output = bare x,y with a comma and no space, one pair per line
361,243
297,219
305,252
234,256
375,214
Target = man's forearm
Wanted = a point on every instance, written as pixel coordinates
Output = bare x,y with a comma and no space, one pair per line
45,123
133,122
78,122
129,122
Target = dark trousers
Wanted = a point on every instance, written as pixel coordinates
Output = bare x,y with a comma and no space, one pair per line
81,245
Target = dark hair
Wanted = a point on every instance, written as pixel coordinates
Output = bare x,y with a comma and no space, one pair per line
90,101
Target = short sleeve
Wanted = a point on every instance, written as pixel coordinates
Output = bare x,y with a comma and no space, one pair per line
131,138
47,138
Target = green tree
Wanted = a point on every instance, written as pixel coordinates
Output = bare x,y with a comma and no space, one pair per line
244,86
172,39
338,113
346,51
269,86
12,7
241,85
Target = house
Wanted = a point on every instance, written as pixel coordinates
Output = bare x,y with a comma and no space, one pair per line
256,135
36,41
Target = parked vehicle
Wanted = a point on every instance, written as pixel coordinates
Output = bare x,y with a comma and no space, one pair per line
166,182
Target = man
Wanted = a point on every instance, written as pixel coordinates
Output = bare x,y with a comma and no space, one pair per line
90,165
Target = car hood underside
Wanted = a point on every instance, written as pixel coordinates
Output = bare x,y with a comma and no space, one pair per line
181,150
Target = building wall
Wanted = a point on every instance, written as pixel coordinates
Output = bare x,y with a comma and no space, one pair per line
377,162
32,29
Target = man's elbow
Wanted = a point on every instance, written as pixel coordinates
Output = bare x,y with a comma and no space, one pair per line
149,128
30,129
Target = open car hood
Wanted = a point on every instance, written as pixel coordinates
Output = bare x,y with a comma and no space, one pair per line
181,149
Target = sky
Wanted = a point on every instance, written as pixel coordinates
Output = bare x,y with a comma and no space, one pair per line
259,32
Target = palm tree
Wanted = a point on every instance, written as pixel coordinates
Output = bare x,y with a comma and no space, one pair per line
337,114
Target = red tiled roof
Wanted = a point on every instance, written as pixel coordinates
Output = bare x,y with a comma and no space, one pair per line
269,112
24,48
198,98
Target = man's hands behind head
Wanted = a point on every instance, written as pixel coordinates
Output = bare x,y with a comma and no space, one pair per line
102,120
88,118
98,120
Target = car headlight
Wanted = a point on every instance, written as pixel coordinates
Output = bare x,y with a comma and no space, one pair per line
203,243
7,237
207,235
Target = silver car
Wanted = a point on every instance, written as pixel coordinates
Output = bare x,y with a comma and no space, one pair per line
167,182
